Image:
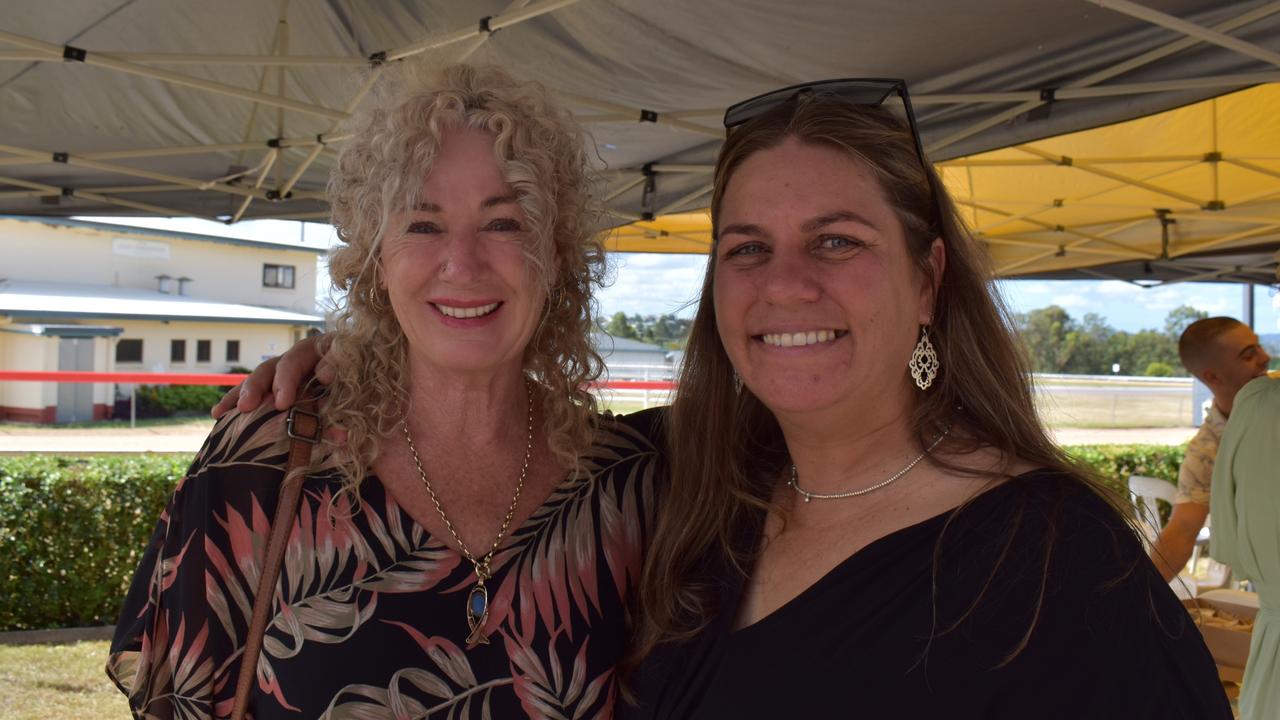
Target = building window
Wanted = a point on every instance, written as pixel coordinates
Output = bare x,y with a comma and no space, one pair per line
204,350
233,351
129,351
177,351
279,276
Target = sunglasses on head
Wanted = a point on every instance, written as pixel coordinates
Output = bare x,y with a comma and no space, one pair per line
871,92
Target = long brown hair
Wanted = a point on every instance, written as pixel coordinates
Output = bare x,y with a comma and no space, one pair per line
726,448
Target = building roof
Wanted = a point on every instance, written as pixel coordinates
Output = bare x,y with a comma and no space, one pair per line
28,301
606,343
66,331
169,234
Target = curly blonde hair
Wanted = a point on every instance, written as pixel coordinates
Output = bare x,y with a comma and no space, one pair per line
393,142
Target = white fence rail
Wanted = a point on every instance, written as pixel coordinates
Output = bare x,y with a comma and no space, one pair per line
1063,400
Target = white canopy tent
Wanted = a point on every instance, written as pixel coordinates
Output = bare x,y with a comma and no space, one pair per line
233,110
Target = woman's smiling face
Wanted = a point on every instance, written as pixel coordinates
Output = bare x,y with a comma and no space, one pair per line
818,301
458,279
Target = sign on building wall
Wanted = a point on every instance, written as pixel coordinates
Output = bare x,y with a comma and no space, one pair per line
148,249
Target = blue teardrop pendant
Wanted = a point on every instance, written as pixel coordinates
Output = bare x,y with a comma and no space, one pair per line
477,614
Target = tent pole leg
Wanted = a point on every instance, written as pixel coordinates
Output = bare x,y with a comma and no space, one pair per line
133,406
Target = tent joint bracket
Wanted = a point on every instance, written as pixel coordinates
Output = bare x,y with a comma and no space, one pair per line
61,157
377,59
648,116
73,53
485,27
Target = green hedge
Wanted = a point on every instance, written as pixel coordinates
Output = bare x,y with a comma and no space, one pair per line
163,400
71,532
1115,463
72,529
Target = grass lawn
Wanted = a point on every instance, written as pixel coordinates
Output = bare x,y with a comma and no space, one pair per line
1114,410
625,407
53,682
1080,404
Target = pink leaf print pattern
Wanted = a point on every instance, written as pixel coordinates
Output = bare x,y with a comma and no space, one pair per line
366,583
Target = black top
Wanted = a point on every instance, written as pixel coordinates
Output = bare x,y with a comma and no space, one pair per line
370,612
1110,640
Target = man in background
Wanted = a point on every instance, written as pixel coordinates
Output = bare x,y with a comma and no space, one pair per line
1224,354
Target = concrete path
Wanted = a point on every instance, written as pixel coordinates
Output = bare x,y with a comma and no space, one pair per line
62,636
184,438
188,437
1122,436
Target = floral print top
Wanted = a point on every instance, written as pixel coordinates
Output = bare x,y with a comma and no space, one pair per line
369,618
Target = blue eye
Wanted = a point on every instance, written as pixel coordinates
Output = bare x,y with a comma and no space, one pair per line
422,226
839,242
504,225
746,249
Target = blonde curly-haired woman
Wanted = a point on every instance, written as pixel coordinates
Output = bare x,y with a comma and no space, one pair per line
469,550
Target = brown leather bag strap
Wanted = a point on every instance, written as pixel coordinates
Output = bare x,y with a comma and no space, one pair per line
303,426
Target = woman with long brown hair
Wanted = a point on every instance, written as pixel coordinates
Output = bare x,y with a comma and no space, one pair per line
864,516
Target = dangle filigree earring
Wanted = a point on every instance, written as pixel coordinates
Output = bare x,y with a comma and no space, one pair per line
924,361
737,382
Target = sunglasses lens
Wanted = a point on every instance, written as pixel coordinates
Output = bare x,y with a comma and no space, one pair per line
857,92
889,94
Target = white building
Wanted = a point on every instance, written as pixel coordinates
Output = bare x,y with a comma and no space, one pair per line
627,359
78,295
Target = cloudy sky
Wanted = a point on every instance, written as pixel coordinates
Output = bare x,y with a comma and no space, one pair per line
657,284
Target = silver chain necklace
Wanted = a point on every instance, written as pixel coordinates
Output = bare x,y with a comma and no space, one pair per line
478,598
855,493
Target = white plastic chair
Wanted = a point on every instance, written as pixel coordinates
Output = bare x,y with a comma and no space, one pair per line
1145,492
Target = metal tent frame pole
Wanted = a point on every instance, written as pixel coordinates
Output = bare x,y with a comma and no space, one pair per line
1155,17
56,52
1104,75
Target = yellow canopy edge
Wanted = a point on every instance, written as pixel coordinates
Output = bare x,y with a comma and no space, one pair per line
1197,178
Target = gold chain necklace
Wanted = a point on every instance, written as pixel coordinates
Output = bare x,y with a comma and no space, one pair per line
478,598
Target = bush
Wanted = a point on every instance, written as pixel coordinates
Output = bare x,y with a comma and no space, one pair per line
1115,463
161,400
1159,369
73,529
72,532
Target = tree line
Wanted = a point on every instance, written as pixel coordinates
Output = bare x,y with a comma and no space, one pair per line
1055,341
1058,343
667,331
